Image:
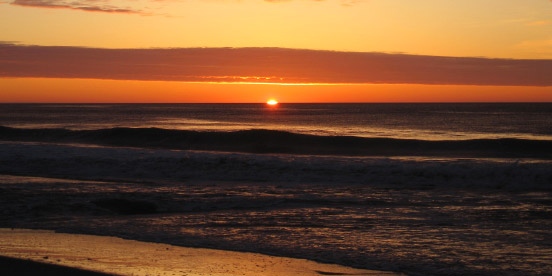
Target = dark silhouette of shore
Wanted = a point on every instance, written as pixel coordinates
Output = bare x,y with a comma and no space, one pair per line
12,266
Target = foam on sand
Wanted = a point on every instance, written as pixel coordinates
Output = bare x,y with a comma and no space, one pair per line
127,257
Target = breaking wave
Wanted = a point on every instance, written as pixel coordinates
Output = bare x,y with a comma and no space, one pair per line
273,141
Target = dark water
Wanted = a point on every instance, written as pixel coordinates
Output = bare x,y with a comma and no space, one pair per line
436,189
401,121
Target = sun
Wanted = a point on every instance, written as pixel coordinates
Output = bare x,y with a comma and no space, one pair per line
272,102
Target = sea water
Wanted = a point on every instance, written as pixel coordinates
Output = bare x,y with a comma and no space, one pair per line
412,121
473,198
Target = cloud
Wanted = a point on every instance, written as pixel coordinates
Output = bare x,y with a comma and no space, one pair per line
539,23
271,65
543,47
283,1
107,6
83,5
343,2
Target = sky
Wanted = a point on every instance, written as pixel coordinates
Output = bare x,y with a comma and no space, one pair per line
292,50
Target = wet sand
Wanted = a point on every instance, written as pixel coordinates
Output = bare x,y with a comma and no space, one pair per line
41,252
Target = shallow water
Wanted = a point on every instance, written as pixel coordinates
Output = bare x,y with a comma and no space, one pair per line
418,232
416,216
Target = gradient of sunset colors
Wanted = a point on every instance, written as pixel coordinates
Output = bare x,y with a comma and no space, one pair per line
491,29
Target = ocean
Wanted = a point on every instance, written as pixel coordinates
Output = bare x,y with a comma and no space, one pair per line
422,189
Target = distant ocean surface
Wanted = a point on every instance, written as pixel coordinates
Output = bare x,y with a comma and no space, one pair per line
484,130
423,189
401,121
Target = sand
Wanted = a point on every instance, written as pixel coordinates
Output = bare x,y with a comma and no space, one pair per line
116,256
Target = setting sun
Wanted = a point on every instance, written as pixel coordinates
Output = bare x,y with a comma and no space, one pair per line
272,102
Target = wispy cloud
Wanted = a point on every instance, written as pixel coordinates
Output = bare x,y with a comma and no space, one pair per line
539,23
114,6
83,5
343,2
543,47
273,65
277,1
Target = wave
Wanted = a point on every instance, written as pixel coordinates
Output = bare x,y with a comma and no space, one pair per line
274,141
153,167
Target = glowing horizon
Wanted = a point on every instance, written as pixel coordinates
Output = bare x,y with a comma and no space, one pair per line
61,90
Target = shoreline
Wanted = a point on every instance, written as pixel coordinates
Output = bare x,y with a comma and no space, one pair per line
100,255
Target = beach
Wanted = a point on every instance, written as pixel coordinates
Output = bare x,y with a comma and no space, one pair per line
116,256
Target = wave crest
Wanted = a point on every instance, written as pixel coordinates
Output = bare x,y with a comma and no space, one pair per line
274,141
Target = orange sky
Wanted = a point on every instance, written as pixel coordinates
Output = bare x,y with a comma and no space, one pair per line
361,50
52,90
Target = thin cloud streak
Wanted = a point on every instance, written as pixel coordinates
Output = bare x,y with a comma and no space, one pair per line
266,65
346,3
539,23
82,5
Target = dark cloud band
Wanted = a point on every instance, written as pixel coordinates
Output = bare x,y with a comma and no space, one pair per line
278,65
84,5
